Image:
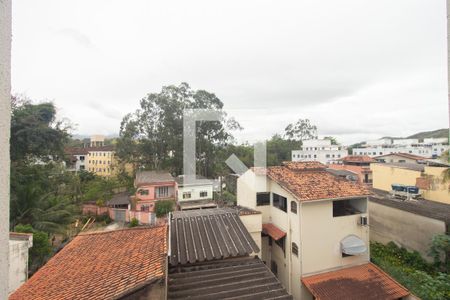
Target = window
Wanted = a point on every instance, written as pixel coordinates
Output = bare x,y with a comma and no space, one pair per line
143,192
401,161
280,243
280,202
273,267
186,195
203,194
81,167
294,249
327,156
262,199
349,207
294,207
82,157
144,208
162,191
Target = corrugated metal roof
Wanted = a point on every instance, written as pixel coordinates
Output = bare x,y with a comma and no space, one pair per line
208,234
241,278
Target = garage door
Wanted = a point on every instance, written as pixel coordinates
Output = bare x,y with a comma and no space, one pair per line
119,215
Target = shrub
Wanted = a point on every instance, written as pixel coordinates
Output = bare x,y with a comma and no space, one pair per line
134,222
163,207
412,271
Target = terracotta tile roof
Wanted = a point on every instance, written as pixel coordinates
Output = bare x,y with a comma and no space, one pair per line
273,231
310,181
102,265
361,282
405,155
358,159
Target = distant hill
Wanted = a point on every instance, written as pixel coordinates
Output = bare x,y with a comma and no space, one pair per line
440,133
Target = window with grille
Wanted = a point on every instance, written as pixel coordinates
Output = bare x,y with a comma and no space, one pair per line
294,207
294,249
203,194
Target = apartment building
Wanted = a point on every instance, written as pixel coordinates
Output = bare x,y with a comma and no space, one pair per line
314,231
429,148
320,150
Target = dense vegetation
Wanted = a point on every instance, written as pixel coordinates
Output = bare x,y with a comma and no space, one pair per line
427,281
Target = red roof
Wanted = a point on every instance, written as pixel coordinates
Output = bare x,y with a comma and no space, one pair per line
310,181
358,159
273,231
101,265
366,282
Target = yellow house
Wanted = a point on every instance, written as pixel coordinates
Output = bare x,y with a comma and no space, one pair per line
428,178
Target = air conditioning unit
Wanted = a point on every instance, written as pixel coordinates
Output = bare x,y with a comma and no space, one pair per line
363,221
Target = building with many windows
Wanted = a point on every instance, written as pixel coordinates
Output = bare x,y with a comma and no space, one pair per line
429,148
315,232
320,150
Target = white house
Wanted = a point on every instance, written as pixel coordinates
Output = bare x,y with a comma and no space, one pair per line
195,195
320,150
314,231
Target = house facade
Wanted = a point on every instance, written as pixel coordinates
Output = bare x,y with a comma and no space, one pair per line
320,150
151,186
400,158
313,221
195,195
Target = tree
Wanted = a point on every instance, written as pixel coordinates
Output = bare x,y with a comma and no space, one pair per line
440,247
301,130
152,136
163,207
280,149
35,133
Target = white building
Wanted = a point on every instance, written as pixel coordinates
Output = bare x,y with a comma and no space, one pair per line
19,243
320,150
430,148
196,195
314,224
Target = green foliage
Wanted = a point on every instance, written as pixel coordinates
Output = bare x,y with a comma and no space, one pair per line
412,271
228,198
35,133
332,139
440,247
301,130
41,249
134,222
280,149
163,207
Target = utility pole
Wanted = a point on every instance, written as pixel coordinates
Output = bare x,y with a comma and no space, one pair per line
5,123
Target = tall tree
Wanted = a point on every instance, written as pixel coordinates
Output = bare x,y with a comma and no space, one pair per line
301,130
152,136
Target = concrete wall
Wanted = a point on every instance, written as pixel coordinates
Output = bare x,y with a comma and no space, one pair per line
5,115
18,261
321,236
438,191
384,176
253,223
409,230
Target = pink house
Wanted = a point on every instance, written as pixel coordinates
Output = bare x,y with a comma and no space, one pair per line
152,186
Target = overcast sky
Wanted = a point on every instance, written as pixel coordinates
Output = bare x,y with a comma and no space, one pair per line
357,69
